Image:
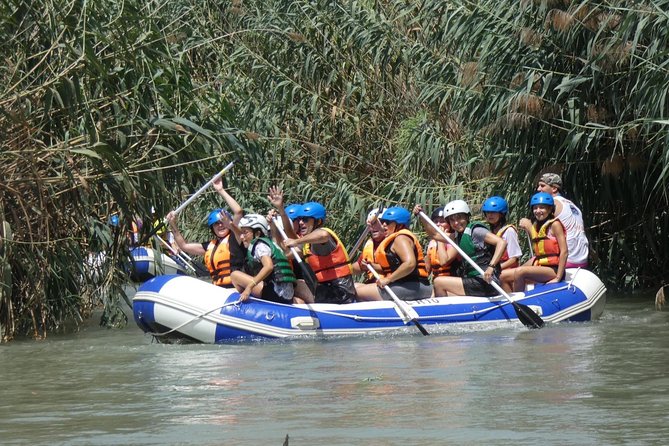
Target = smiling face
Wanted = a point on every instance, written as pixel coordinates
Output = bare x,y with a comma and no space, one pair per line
459,222
442,222
220,229
542,211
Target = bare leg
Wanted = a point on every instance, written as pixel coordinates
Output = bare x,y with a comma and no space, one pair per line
241,280
448,286
507,279
524,274
303,294
367,292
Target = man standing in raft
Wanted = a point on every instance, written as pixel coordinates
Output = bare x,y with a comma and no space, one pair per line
325,254
572,220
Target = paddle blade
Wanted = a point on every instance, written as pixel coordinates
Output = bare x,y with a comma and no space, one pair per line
420,327
527,316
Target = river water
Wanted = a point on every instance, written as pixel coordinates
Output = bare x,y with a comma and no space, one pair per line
597,383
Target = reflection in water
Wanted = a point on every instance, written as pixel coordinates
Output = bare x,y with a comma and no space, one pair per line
595,383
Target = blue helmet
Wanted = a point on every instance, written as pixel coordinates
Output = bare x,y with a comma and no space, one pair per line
215,216
397,214
495,204
312,209
542,198
293,210
113,220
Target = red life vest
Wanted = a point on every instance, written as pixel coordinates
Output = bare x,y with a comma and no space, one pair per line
217,261
329,267
546,250
389,261
437,268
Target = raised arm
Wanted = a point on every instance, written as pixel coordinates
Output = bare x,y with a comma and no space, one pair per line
235,208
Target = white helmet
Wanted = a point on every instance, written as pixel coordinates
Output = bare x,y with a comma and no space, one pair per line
456,207
255,221
372,214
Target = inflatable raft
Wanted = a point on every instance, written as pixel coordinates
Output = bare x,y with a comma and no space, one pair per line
186,309
148,263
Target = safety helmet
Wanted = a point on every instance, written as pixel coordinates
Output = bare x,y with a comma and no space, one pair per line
438,213
542,198
312,209
292,210
113,220
397,214
255,221
215,216
456,207
374,213
495,204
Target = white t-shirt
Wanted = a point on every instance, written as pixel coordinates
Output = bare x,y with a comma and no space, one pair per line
512,245
572,219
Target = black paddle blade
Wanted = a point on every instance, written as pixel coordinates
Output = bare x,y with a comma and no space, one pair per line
528,317
309,277
420,327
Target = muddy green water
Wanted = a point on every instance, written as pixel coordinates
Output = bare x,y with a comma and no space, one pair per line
600,383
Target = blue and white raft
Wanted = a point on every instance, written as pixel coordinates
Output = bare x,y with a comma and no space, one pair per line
148,263
186,309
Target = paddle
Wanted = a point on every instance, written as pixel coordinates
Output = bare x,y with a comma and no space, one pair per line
307,273
190,199
203,188
362,237
407,313
524,313
188,260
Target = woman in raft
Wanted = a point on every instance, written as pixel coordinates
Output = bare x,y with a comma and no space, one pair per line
549,242
400,261
482,246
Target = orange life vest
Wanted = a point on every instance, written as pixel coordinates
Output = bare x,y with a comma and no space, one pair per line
368,256
329,267
217,261
505,256
437,268
546,250
389,261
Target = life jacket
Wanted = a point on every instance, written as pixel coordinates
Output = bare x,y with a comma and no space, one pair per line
217,261
437,268
328,267
389,261
546,250
283,271
481,257
368,256
505,256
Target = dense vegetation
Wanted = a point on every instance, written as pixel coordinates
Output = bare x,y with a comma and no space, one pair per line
117,106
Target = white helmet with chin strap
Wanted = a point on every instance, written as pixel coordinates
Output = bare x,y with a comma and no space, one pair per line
456,207
255,221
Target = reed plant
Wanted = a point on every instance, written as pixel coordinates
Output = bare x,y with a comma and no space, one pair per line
115,107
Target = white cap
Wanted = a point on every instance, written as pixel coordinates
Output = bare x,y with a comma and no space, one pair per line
372,214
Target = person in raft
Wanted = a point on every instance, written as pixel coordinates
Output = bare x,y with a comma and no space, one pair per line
400,261
376,236
572,220
223,253
495,210
549,242
480,245
268,272
441,256
325,254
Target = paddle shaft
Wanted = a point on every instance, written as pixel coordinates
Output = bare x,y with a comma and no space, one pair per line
307,272
351,252
203,188
175,252
532,319
408,314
